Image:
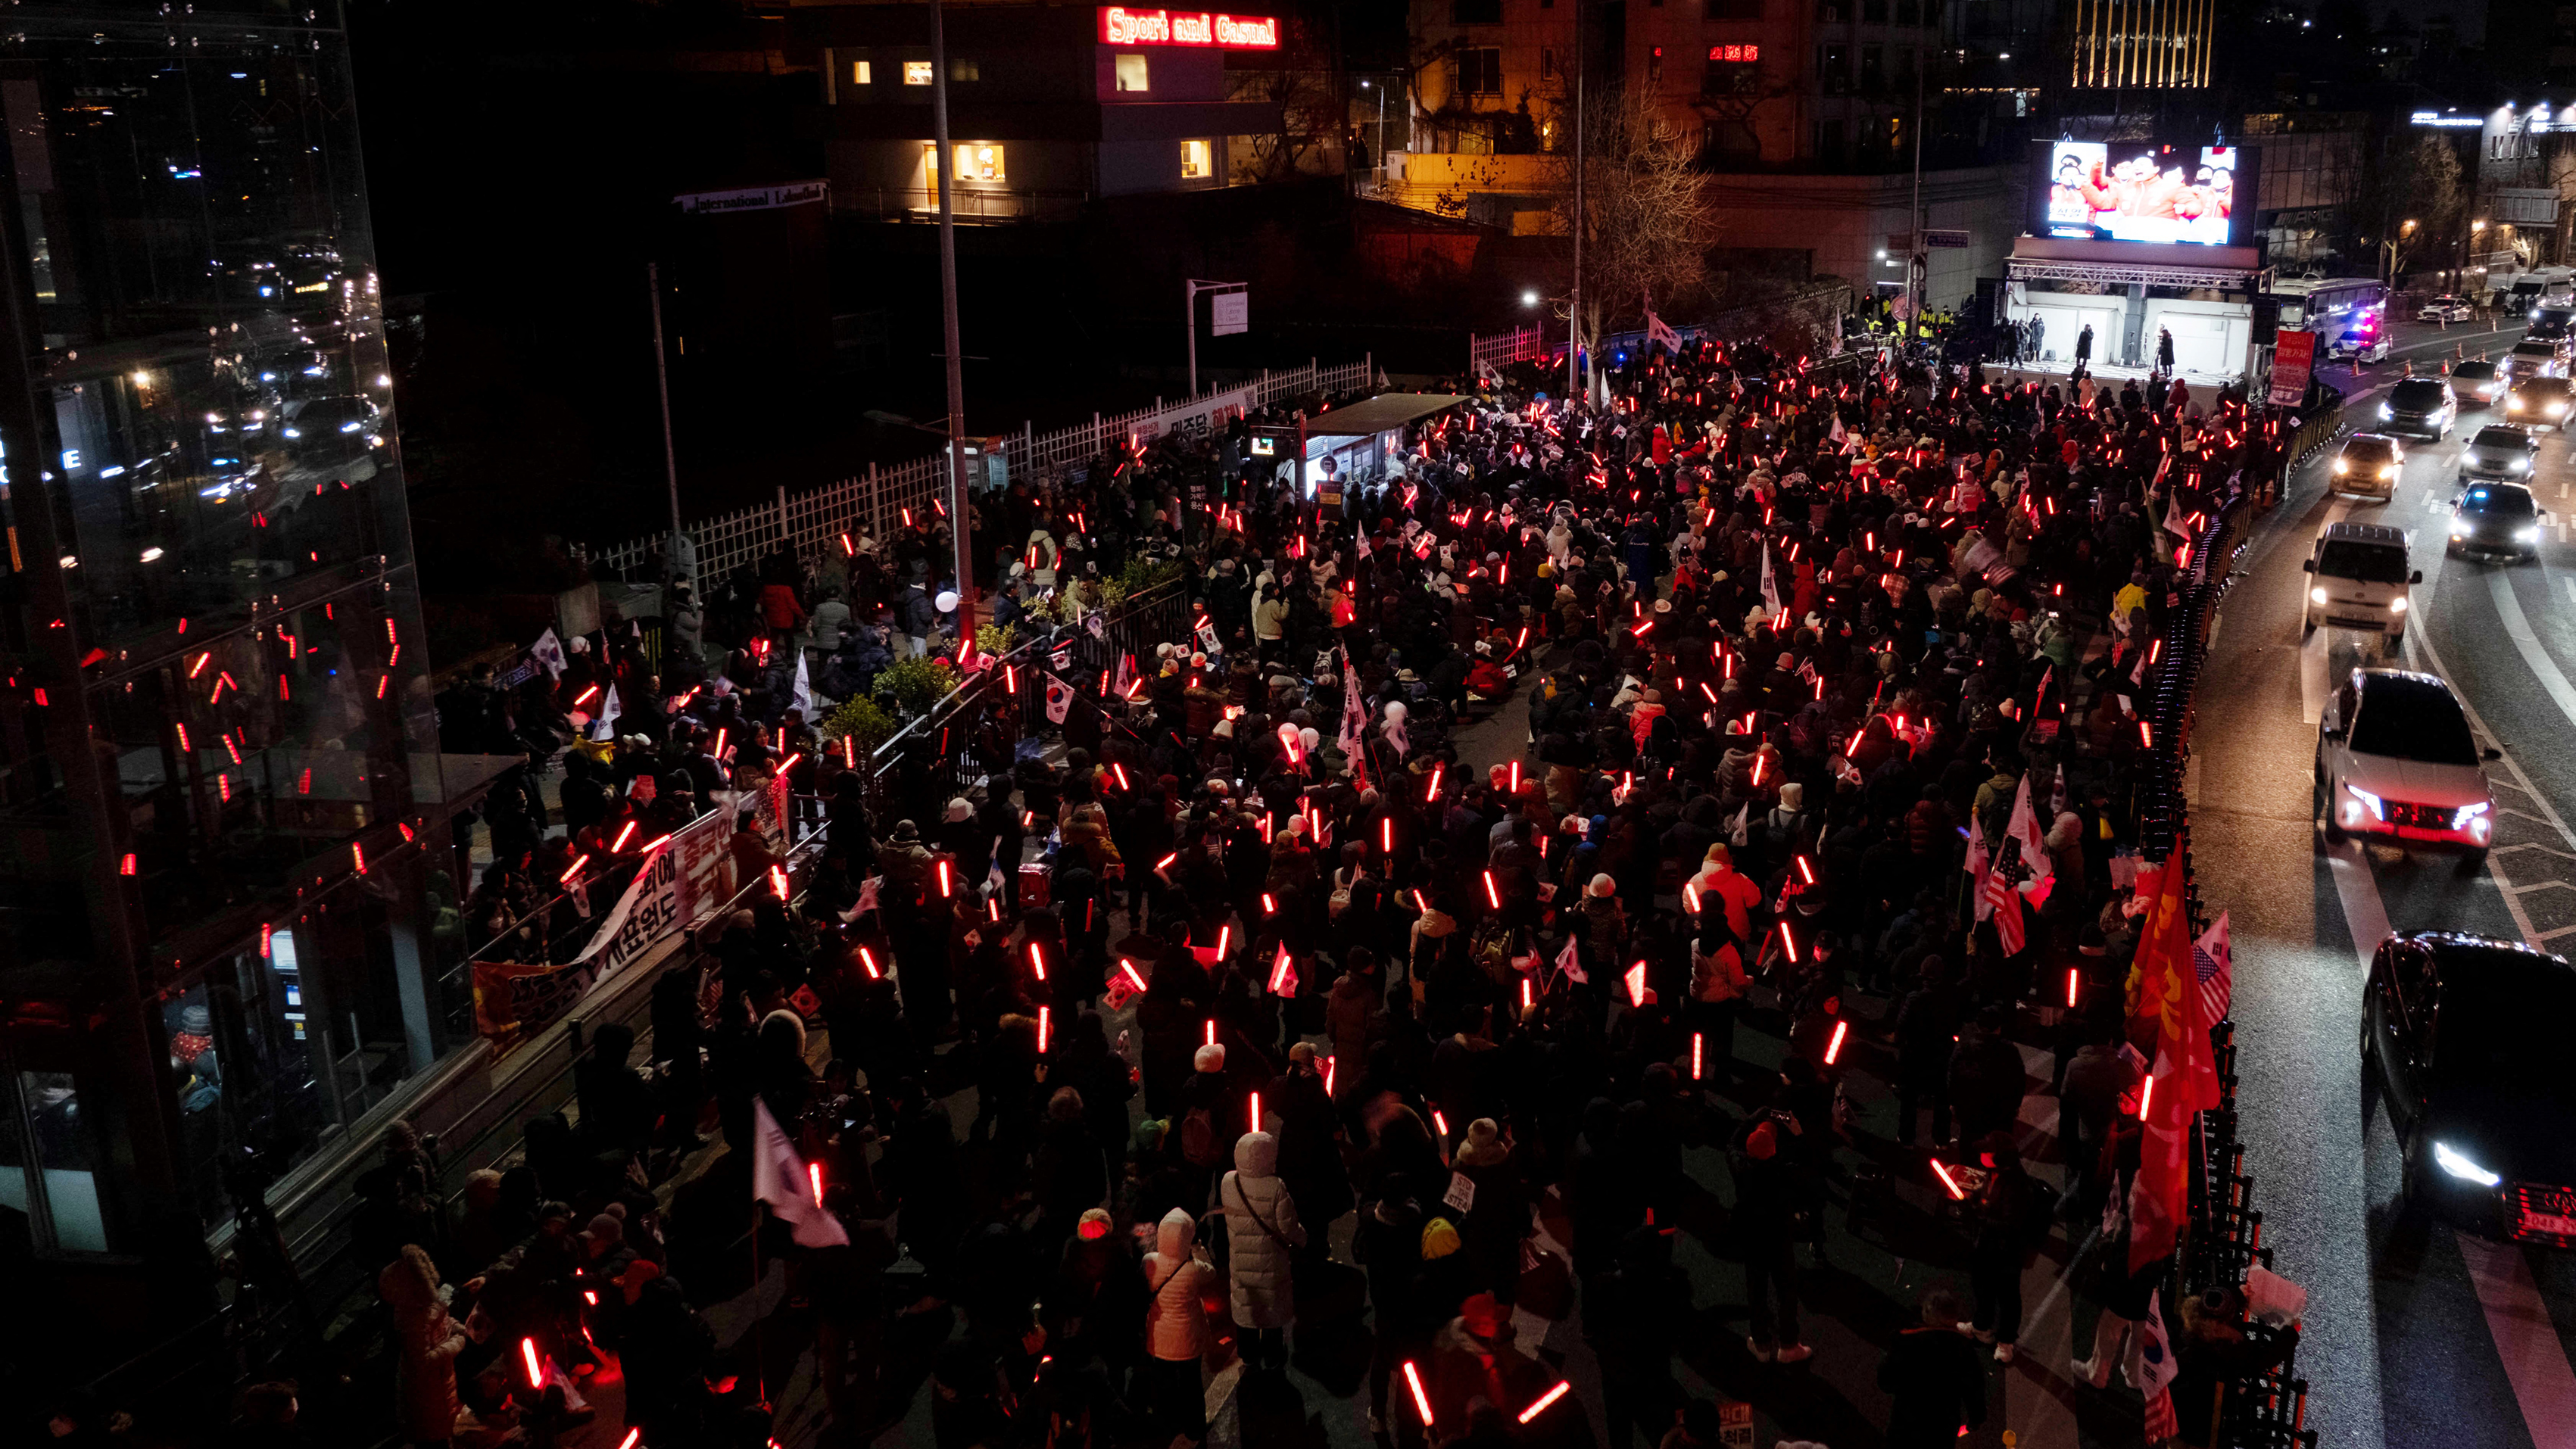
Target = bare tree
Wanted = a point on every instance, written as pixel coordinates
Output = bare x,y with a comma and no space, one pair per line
2414,201
1647,222
1299,79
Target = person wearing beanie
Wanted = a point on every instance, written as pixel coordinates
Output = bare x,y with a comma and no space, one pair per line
1211,1115
1262,1232
1094,1306
1498,1216
1387,1244
1765,1221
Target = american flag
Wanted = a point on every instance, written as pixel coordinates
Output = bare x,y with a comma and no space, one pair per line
2212,962
2006,899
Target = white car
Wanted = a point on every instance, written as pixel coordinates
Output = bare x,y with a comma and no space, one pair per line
2359,579
2396,761
2445,308
2360,347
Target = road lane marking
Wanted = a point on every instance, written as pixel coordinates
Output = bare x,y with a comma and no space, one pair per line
2534,1360
2526,1341
2518,629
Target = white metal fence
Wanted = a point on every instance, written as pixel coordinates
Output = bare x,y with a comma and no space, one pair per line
814,520
1498,349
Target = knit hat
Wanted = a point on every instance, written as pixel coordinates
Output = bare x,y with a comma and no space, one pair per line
1484,1145
1209,1058
1603,885
1762,1143
1439,1240
1484,1316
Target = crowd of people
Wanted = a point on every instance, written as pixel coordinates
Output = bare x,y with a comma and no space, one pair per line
1276,1004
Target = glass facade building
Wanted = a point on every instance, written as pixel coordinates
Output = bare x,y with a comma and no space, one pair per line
228,931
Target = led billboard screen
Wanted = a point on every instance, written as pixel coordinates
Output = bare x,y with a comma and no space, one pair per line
2144,191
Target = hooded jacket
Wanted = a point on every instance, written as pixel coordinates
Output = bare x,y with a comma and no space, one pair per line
1261,1228
1175,1323
425,1376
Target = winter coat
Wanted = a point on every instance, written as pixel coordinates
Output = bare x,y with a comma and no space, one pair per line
1261,1227
425,1375
1175,1280
778,607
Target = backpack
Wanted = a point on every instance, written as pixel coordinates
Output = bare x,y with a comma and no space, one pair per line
1199,1146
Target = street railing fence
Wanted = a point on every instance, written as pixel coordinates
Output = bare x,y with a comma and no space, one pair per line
2225,1238
813,521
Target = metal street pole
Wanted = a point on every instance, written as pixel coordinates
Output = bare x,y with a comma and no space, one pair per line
946,161
1574,293
670,455
1190,322
1917,260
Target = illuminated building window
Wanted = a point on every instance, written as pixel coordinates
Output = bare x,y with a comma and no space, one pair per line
917,73
965,70
861,75
1131,73
1198,160
979,161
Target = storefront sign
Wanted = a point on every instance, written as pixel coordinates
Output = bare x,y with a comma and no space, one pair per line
1120,25
2294,359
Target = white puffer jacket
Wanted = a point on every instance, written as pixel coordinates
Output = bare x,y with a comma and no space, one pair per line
1260,1228
1175,1323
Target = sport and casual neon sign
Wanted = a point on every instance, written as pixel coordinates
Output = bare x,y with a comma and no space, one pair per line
1122,26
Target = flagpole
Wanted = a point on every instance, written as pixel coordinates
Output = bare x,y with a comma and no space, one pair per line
759,1354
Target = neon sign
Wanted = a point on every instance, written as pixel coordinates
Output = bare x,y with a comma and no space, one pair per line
1122,26
1734,53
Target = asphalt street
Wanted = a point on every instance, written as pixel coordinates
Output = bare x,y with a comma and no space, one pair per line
2413,1335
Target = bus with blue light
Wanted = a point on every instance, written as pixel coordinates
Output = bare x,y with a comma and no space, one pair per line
2331,306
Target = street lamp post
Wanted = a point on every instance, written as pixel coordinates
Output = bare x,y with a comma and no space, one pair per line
1380,168
955,351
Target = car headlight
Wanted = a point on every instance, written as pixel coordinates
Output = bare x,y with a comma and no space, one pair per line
2386,411
2378,811
2517,464
291,432
2397,605
2513,405
2316,596
2343,465
2529,534
2461,817
2460,1165
2458,531
2388,472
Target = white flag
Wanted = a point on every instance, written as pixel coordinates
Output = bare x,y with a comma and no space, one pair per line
1059,699
2151,1366
1570,962
803,699
605,727
781,1179
1658,330
2024,827
548,651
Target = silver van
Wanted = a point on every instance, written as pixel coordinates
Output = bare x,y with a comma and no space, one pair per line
2358,578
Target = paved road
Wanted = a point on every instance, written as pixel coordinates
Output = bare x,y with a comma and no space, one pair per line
2414,1336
